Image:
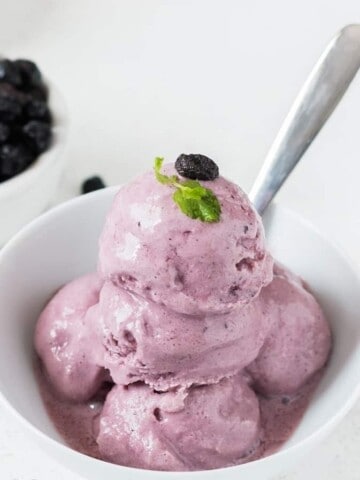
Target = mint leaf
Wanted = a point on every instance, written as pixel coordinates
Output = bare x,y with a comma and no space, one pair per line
192,198
164,179
187,205
209,207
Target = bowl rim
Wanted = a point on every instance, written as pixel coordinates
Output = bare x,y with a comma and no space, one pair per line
320,432
60,129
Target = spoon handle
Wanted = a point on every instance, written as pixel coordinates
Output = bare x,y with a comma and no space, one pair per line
314,104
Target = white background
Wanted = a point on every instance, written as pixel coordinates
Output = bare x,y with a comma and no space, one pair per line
156,77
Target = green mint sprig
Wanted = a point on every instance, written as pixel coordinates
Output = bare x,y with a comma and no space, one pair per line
192,198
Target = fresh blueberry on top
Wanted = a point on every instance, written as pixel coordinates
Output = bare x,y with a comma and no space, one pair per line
196,167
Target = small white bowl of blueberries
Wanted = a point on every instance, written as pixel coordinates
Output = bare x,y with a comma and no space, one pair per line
33,127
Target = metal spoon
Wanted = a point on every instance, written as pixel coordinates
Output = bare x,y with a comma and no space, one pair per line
314,104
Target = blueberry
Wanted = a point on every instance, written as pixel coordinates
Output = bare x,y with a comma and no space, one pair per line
29,73
4,132
14,159
9,73
37,109
25,118
196,167
39,93
38,135
91,184
11,102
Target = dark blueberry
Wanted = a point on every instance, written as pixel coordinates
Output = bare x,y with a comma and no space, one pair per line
91,184
14,159
9,73
196,167
38,135
4,132
39,93
37,109
29,73
11,102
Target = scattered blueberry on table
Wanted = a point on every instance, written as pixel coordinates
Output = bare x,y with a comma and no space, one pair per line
91,184
25,118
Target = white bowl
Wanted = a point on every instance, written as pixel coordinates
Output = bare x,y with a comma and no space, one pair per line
62,244
26,195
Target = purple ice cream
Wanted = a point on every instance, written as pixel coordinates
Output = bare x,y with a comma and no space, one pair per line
63,339
149,247
299,341
202,427
144,341
185,342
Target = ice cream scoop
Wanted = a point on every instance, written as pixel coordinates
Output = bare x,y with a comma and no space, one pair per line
203,427
64,341
148,246
145,341
299,340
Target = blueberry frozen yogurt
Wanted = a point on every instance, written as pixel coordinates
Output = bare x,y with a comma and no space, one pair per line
189,348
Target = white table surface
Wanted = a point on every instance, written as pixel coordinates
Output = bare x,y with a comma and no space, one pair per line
156,77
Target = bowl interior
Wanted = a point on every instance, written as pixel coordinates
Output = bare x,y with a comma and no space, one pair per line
62,244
